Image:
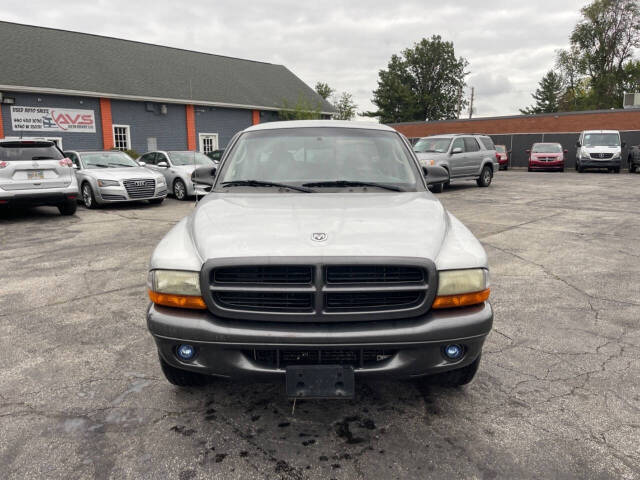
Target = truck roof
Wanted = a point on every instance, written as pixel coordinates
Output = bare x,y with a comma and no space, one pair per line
319,123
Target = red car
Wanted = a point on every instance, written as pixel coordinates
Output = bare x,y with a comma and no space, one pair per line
503,156
546,156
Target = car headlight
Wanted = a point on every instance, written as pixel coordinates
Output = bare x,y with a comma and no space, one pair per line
617,156
461,288
585,156
161,181
108,183
175,288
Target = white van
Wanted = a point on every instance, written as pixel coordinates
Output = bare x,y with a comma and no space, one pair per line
599,149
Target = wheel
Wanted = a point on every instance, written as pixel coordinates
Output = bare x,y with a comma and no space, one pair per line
485,177
616,170
437,188
632,168
88,198
562,169
179,189
458,377
156,201
529,169
182,378
579,168
576,166
506,167
69,207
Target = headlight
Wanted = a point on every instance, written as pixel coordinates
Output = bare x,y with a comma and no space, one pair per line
161,181
175,288
108,183
616,156
460,288
585,156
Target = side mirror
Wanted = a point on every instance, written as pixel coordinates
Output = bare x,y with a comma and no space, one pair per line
578,144
75,167
624,144
566,151
527,151
435,174
163,164
142,164
204,176
456,150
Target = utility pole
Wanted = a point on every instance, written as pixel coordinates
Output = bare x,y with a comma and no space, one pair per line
473,91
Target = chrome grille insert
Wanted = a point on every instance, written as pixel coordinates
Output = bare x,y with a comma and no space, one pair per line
140,187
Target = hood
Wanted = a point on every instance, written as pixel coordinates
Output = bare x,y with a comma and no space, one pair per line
426,157
407,224
122,173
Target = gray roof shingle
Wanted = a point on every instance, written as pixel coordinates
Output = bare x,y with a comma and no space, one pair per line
60,60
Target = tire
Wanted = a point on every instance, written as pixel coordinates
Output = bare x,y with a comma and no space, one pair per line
486,175
69,207
632,168
580,169
179,190
529,169
506,167
616,170
88,198
437,188
182,378
562,169
156,201
458,377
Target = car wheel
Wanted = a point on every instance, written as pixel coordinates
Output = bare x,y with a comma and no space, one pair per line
179,189
182,378
632,168
88,199
458,377
579,168
529,169
616,170
485,177
156,201
506,167
69,207
437,188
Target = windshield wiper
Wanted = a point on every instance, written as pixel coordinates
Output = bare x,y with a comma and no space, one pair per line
116,165
260,183
352,183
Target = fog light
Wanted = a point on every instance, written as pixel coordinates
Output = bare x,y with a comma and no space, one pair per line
453,352
186,352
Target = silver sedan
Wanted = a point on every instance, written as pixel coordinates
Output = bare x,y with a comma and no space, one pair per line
177,166
112,176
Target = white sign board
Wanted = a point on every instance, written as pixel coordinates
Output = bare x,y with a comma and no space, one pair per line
51,119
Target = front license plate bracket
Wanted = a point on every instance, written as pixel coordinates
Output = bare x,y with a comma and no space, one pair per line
320,381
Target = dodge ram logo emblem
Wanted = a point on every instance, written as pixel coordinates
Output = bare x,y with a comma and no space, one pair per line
318,236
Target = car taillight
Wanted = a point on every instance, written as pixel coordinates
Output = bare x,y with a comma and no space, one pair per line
65,162
3,164
498,156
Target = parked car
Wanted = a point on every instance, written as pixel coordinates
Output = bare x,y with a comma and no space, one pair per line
546,156
216,155
114,177
634,158
176,167
503,156
36,172
599,149
463,156
319,257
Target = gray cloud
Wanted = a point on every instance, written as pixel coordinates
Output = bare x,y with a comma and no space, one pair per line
509,45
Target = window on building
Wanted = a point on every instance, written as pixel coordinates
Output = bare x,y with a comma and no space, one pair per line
121,137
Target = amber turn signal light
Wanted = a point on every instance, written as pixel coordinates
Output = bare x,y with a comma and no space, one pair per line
461,300
178,301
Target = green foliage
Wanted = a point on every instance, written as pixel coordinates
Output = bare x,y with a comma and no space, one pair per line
304,109
423,82
345,107
324,90
548,95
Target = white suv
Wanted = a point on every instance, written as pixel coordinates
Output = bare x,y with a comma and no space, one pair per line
599,149
35,172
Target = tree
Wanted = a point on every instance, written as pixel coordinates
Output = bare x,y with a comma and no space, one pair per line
548,95
324,90
345,107
423,82
304,109
602,46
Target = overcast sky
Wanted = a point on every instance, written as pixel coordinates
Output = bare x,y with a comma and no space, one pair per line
509,44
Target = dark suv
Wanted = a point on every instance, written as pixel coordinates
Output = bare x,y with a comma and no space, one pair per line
36,172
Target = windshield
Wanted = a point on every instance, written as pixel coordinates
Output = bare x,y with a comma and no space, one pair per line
189,158
107,160
440,145
17,151
501,149
546,148
601,140
325,156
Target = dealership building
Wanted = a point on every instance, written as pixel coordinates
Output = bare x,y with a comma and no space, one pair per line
89,92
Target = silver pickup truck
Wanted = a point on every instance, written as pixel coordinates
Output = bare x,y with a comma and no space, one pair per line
319,257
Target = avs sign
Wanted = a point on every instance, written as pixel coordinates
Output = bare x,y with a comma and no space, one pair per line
46,119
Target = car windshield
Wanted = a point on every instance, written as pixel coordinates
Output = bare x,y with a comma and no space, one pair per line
24,151
501,149
601,140
107,160
439,145
189,158
546,148
330,158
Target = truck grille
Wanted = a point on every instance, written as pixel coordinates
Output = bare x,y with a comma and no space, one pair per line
601,156
140,187
318,292
282,358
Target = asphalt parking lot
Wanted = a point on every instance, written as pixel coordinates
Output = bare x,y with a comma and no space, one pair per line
557,395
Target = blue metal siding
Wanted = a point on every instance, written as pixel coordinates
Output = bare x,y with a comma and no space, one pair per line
169,130
226,122
70,141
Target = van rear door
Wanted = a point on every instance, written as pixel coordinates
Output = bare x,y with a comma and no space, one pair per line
32,165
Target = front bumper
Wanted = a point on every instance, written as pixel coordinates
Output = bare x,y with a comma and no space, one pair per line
539,165
608,163
224,346
117,194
